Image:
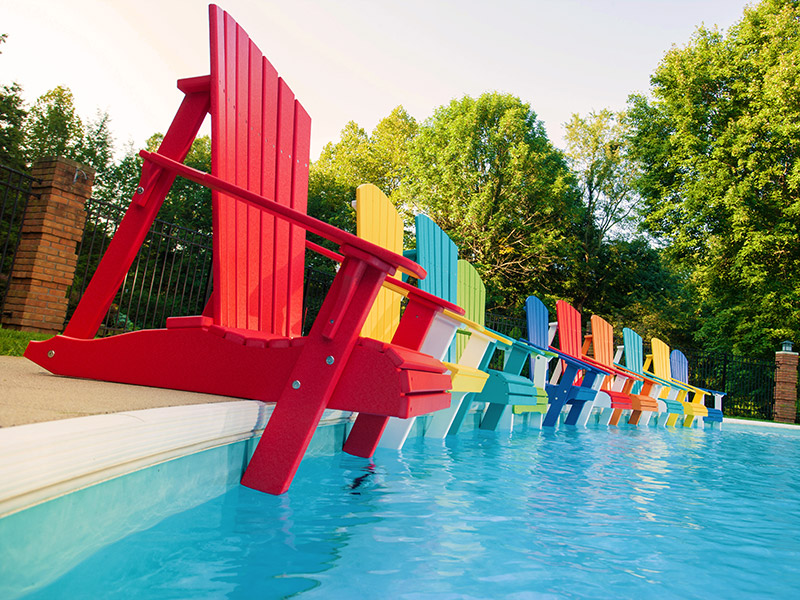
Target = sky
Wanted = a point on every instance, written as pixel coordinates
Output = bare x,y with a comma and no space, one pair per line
352,59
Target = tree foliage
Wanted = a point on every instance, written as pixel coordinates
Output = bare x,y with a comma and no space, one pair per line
12,116
485,171
718,148
53,127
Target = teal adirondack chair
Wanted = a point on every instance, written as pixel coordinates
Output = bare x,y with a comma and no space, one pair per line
473,346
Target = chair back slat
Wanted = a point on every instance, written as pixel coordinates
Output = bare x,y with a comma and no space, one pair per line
260,140
438,254
634,355
679,365
602,341
538,321
661,366
471,297
569,329
377,221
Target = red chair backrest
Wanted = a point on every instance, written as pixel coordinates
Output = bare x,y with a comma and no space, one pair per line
260,139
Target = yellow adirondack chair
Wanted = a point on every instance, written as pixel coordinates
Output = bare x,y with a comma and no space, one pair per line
377,221
673,394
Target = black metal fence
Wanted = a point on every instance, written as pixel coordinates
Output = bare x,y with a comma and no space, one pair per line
15,189
749,383
170,276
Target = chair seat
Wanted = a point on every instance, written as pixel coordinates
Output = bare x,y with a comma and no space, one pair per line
509,389
695,409
620,401
714,416
466,379
644,403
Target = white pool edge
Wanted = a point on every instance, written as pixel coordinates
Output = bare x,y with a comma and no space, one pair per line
42,461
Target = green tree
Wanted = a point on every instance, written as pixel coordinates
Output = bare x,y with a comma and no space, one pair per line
380,158
97,147
485,171
597,155
718,148
12,117
53,128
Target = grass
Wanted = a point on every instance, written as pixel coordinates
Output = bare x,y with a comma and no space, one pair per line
13,343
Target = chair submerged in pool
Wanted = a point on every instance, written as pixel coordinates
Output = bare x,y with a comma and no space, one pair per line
566,386
626,383
377,221
672,394
680,372
248,342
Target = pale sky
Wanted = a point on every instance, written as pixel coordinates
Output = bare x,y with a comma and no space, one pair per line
352,59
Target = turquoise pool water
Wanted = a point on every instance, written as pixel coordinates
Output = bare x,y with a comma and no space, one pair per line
621,513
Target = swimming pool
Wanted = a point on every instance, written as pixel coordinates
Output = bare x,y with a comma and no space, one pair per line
625,513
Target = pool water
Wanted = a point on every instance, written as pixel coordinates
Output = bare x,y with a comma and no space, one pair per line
597,513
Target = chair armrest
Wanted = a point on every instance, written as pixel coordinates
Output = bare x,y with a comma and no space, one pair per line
670,382
345,240
640,376
531,349
395,285
613,369
580,364
470,324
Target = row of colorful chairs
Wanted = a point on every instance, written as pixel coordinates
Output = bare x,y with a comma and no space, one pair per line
587,380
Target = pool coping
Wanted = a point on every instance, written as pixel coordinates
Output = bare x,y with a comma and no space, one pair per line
40,461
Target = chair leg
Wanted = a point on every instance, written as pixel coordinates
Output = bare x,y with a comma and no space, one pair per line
441,420
605,417
396,433
493,416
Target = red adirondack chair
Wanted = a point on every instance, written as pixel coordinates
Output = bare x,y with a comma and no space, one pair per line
248,342
571,342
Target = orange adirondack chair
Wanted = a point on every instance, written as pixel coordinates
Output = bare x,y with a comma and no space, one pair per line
248,342
601,341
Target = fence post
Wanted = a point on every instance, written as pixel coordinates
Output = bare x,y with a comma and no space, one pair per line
46,257
785,386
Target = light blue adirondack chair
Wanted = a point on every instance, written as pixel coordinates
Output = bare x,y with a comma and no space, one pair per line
680,371
562,388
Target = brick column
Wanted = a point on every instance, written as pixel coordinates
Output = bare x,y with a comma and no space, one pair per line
785,387
46,257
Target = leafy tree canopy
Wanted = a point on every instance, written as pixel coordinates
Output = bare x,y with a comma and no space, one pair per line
718,148
485,171
12,116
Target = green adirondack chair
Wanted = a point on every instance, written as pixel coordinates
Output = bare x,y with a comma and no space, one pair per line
505,388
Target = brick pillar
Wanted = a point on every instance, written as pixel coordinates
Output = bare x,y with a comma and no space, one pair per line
46,257
785,386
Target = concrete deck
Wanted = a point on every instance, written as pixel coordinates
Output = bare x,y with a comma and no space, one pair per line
29,394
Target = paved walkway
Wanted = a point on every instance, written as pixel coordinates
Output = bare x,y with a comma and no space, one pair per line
29,394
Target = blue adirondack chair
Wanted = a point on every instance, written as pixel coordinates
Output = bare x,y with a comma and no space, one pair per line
562,389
